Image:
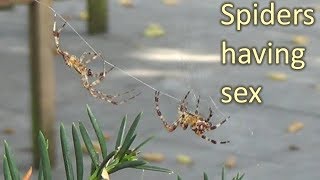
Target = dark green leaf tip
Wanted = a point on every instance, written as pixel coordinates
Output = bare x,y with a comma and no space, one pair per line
205,176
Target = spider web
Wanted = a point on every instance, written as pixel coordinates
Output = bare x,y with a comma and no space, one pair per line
195,77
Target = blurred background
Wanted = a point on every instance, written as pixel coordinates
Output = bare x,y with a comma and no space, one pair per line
173,45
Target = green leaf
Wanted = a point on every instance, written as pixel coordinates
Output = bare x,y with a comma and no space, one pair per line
222,174
98,131
129,138
179,178
11,162
154,168
127,164
93,167
104,162
6,169
132,128
143,143
241,177
88,144
125,147
40,175
205,176
66,154
78,152
238,177
121,132
44,157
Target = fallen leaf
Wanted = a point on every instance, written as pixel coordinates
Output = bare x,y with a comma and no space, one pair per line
170,2
293,147
301,40
84,16
107,136
154,30
295,127
184,159
317,87
28,174
231,162
277,76
96,147
153,157
126,3
105,174
9,131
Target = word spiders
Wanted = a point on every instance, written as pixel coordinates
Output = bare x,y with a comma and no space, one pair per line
198,124
79,65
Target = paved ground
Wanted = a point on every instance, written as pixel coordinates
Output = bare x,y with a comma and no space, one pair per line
186,57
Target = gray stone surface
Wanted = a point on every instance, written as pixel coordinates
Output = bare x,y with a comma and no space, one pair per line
257,132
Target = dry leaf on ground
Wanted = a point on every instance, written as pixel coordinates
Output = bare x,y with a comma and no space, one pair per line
278,76
295,127
153,157
107,136
316,87
9,131
231,162
126,3
84,16
184,159
170,2
293,147
154,30
300,40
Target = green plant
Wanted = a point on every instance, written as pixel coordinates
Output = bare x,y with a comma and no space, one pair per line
205,176
121,157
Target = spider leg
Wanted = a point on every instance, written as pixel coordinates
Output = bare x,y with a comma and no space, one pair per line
185,97
109,98
100,95
210,115
182,110
93,58
212,140
85,54
169,127
183,104
219,124
101,76
201,128
56,33
197,106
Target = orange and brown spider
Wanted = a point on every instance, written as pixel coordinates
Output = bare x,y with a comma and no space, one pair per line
198,124
80,66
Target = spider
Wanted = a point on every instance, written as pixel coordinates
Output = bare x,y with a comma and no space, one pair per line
198,124
79,65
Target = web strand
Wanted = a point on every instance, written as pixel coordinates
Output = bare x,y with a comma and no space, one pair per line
107,62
